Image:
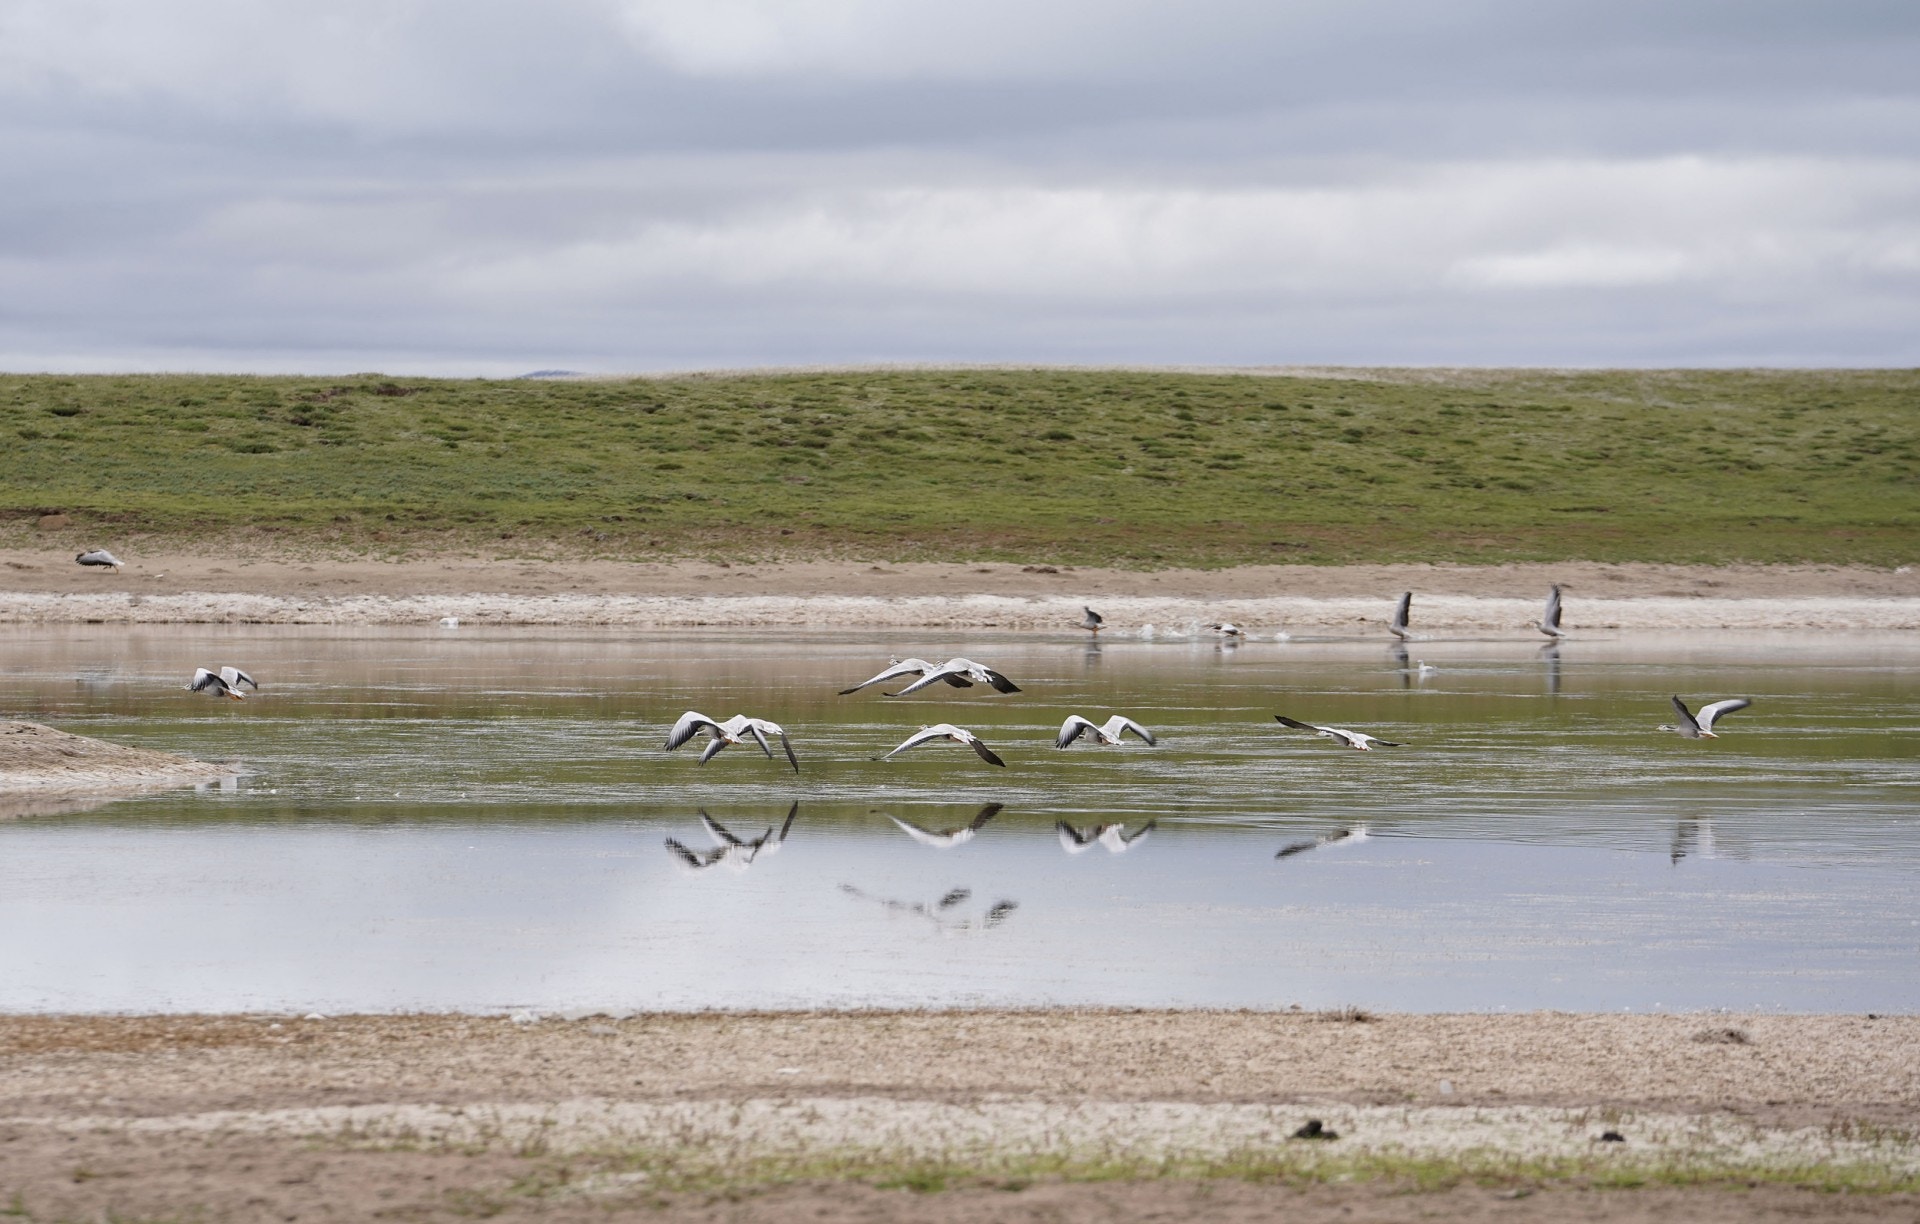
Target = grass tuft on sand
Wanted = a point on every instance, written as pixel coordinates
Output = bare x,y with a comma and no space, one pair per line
1124,468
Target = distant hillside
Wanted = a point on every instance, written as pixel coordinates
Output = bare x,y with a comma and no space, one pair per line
1116,467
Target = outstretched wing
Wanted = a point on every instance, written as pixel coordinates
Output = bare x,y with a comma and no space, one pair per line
788,748
788,826
905,667
718,832
1145,829
713,747
1297,724
203,679
1120,724
752,727
1299,847
920,737
690,724
1688,726
986,813
1071,730
986,753
925,836
693,858
1710,712
937,673
1000,682
1552,617
1400,614
233,675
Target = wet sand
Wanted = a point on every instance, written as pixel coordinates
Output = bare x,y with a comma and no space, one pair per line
180,588
44,770
1151,1115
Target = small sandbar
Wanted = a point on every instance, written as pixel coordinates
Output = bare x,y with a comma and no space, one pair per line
43,770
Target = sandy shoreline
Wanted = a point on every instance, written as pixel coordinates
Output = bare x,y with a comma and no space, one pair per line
183,589
1727,1112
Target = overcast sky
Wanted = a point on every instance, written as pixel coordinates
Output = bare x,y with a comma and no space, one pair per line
490,187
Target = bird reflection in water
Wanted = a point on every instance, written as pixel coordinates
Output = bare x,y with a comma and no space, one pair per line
1113,836
1691,837
1348,836
729,849
947,913
1550,655
947,839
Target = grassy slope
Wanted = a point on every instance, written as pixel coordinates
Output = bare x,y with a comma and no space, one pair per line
1081,466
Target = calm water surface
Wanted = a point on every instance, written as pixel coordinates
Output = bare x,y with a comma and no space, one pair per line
480,819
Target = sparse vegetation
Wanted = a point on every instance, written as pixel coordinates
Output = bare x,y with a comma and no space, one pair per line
1089,467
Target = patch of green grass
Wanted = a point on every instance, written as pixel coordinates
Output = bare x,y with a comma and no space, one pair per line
1085,467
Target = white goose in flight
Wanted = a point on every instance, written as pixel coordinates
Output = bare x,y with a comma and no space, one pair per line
224,683
965,669
1227,629
1107,733
959,735
907,667
1340,735
1092,621
100,557
1700,726
1113,836
1549,622
947,839
732,731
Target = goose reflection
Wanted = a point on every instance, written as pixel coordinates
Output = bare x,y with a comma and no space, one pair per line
1692,836
1349,836
729,849
946,912
1113,836
947,839
1550,655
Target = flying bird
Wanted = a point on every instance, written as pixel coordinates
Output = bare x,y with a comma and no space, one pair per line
1549,622
1700,726
966,669
1340,735
907,667
1227,629
959,735
1113,836
100,556
224,683
1107,733
1398,626
1092,621
947,839
732,731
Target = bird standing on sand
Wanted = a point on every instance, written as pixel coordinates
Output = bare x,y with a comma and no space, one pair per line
1108,733
1700,726
959,735
1549,622
1113,836
965,669
1398,626
1092,620
100,557
1340,735
224,683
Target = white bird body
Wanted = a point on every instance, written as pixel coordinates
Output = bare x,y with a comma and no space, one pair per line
1108,733
965,669
223,683
1092,621
1549,622
100,557
947,839
1112,836
1227,629
1700,726
1398,626
1340,735
959,735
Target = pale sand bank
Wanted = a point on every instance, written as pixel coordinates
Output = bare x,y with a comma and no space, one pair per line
603,1112
42,769
845,595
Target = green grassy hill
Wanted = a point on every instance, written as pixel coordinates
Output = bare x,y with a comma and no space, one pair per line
1089,467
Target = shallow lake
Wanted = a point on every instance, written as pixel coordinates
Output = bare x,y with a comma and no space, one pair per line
481,819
